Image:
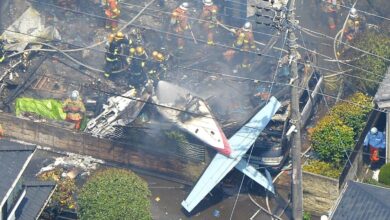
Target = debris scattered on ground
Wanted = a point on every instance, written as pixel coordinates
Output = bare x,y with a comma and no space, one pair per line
83,164
63,196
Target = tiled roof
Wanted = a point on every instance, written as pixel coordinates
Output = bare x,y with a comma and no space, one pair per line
363,201
382,96
37,193
13,156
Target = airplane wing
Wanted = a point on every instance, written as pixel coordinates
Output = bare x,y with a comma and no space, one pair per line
221,165
255,175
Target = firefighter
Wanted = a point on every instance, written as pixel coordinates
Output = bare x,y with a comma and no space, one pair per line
157,67
179,23
112,57
136,35
355,24
138,59
75,109
331,7
375,140
2,50
122,44
112,13
209,19
246,42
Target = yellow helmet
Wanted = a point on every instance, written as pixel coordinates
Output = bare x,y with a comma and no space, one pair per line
119,35
140,50
132,50
160,57
154,54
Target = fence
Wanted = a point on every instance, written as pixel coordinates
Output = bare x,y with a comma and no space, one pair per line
152,157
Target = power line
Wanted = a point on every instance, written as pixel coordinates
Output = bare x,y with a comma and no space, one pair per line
176,35
353,47
365,12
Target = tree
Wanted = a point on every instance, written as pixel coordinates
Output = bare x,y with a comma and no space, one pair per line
332,140
114,194
375,43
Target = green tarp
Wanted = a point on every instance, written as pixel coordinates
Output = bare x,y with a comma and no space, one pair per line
47,108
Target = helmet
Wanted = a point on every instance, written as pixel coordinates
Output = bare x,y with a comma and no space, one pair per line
208,2
160,57
247,26
140,50
119,35
132,50
184,6
75,95
374,130
353,13
154,53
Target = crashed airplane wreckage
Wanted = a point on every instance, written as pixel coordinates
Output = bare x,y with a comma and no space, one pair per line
191,114
119,111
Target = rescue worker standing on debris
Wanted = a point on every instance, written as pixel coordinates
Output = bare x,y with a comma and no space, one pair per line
112,13
2,50
112,56
209,19
246,42
138,60
375,140
121,45
179,23
74,108
331,7
157,67
355,24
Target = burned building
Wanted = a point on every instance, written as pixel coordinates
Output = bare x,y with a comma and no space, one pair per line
64,49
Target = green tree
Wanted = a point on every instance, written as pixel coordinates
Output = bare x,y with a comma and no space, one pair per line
332,139
354,112
376,43
114,194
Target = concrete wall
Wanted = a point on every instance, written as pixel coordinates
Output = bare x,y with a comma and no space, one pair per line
319,193
151,159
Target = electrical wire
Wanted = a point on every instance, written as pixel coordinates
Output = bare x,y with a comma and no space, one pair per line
365,12
353,47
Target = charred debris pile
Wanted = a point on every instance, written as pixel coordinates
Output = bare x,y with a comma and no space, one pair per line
62,48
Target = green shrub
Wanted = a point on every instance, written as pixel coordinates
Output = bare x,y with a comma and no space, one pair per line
332,139
384,174
114,194
354,115
322,168
306,216
373,42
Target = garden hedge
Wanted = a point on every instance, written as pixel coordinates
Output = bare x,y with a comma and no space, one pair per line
114,194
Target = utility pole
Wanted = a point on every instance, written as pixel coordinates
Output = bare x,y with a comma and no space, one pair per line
296,177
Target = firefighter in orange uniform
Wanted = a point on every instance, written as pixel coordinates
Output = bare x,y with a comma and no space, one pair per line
74,108
246,42
209,19
331,7
112,13
355,25
179,23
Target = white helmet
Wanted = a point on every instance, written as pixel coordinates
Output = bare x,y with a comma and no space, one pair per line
208,2
184,6
247,26
75,95
374,130
353,13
